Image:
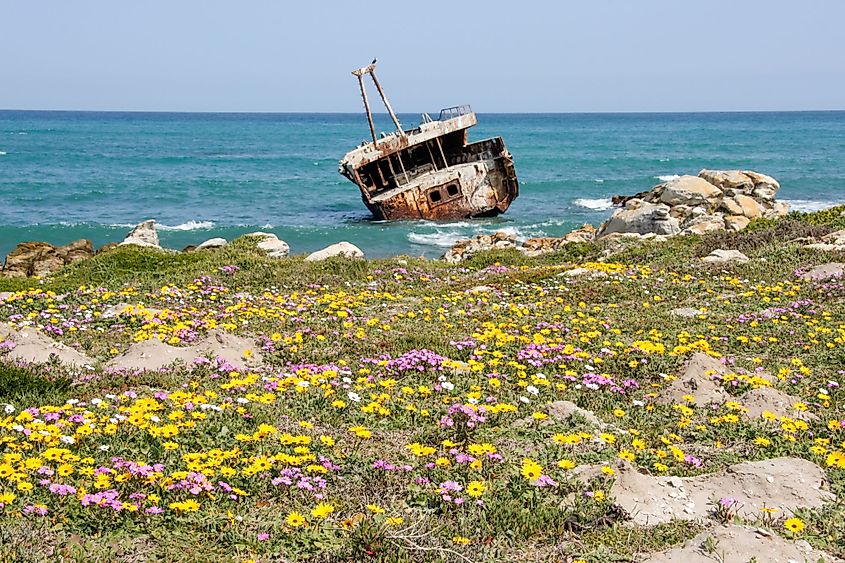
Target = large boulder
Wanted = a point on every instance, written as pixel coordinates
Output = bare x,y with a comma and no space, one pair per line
211,243
41,258
342,248
689,190
742,181
144,234
271,244
641,218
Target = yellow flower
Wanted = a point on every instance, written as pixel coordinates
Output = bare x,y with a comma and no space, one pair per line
531,470
6,498
295,519
460,540
394,521
189,505
794,525
476,488
375,509
566,464
322,510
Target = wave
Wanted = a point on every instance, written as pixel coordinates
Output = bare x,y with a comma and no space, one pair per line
602,204
446,238
810,205
187,226
667,178
3,153
440,240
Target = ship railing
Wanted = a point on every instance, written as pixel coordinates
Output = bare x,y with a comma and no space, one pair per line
455,111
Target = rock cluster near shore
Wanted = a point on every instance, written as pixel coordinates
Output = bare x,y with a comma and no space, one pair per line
40,259
715,200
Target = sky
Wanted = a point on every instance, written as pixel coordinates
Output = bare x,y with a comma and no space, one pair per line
514,56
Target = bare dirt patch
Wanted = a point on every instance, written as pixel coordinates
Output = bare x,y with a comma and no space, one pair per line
783,483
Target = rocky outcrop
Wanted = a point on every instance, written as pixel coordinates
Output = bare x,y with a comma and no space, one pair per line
544,245
832,242
463,249
271,244
714,200
41,258
342,248
144,234
642,217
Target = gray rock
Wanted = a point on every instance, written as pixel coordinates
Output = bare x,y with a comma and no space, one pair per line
824,272
144,234
342,248
722,256
689,190
272,245
647,218
687,312
212,243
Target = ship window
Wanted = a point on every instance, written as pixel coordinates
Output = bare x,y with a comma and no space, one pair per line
452,189
434,195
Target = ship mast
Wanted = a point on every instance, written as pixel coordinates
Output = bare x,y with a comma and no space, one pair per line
371,70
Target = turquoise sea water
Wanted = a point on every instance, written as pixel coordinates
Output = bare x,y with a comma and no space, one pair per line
70,175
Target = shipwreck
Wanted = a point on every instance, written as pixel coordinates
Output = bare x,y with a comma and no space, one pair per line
430,172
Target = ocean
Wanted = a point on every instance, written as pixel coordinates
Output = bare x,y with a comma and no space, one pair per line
71,175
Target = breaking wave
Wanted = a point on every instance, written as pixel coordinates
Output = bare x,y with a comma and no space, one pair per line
810,205
601,204
187,226
667,178
446,238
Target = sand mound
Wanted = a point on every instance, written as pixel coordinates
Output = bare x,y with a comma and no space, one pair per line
230,347
741,543
34,347
154,354
784,483
150,355
757,401
697,380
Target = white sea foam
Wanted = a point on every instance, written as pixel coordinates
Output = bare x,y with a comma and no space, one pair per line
667,178
439,239
810,205
188,226
446,238
595,204
3,153
599,180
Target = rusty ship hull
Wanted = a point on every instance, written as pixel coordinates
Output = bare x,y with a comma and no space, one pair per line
431,172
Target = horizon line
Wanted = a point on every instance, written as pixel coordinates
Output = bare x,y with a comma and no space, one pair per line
264,112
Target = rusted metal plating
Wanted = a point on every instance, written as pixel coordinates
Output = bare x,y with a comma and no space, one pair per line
430,172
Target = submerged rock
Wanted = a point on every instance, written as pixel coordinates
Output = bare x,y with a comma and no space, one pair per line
342,248
41,258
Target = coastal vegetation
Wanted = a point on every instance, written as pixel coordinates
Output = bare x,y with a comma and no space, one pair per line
582,405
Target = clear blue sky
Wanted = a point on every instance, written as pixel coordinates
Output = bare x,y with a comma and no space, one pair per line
265,55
